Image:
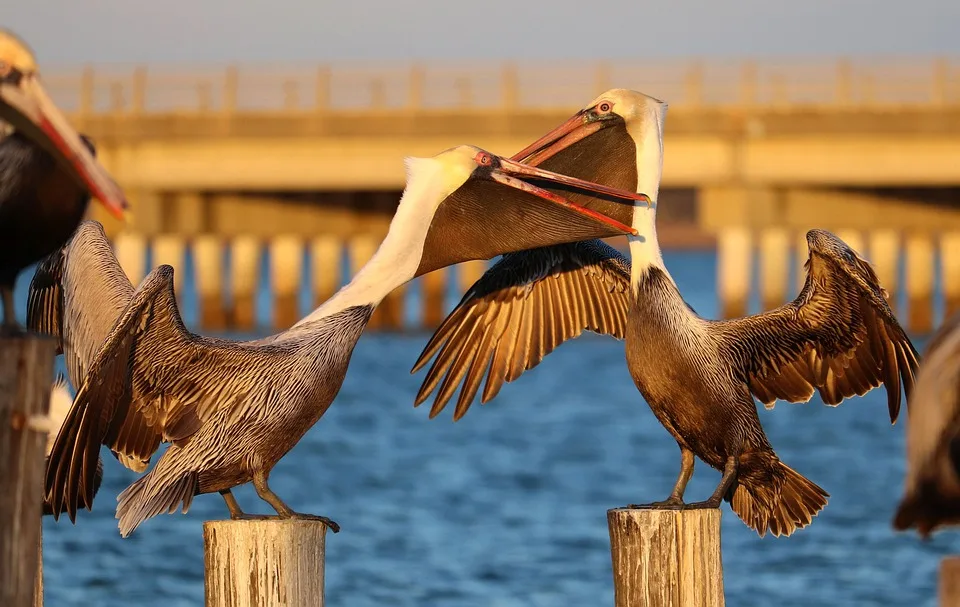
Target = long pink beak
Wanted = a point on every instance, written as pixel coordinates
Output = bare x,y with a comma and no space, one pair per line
576,128
510,173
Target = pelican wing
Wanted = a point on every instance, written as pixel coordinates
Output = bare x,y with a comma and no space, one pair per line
522,308
101,406
45,298
76,295
838,336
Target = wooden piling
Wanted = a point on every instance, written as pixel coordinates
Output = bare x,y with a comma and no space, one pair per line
434,290
734,264
208,271
286,270
666,558
38,581
169,249
325,255
884,255
131,251
950,271
801,253
244,270
470,272
774,267
361,249
26,367
854,240
949,586
268,563
919,282
949,590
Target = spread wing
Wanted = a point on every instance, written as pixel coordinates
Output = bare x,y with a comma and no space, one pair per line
838,336
77,294
522,308
107,395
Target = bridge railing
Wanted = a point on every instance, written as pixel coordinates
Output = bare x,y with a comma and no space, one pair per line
872,82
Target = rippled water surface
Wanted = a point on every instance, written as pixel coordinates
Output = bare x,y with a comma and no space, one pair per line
508,506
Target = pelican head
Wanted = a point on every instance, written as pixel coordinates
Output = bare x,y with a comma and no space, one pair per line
483,205
27,107
600,144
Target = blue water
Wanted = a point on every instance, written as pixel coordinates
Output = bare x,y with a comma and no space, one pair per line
508,506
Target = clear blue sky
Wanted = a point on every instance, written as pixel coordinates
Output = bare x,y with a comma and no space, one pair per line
65,32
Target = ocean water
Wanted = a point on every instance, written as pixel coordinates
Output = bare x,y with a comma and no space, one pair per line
508,506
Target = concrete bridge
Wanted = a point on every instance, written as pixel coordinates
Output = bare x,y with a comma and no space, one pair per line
756,153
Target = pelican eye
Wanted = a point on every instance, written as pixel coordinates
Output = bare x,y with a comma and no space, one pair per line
483,159
10,74
604,107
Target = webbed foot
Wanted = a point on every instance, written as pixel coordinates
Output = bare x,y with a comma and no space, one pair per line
243,516
332,525
671,503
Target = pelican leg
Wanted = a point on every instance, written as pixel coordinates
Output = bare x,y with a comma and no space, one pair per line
726,481
235,512
675,501
284,511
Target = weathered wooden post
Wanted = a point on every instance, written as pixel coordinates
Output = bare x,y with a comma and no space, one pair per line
666,558
38,583
734,270
949,586
920,277
267,563
950,581
26,372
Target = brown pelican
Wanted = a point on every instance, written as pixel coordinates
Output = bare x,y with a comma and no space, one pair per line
232,409
46,172
699,376
932,492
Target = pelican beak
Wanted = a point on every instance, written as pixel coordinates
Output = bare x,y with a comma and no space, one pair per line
579,126
26,105
518,176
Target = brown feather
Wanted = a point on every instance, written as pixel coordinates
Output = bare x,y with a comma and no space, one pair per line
518,312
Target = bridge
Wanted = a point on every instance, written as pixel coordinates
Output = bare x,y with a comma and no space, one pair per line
756,153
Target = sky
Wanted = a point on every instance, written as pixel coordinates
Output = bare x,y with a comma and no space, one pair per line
71,32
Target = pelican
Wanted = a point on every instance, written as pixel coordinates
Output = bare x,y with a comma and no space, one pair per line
232,409
699,376
932,489
47,173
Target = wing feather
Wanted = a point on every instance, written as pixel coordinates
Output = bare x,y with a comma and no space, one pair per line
839,336
518,312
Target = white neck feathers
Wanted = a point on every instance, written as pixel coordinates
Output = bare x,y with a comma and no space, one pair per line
398,257
647,133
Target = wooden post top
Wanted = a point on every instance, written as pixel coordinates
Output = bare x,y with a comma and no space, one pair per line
267,563
666,558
